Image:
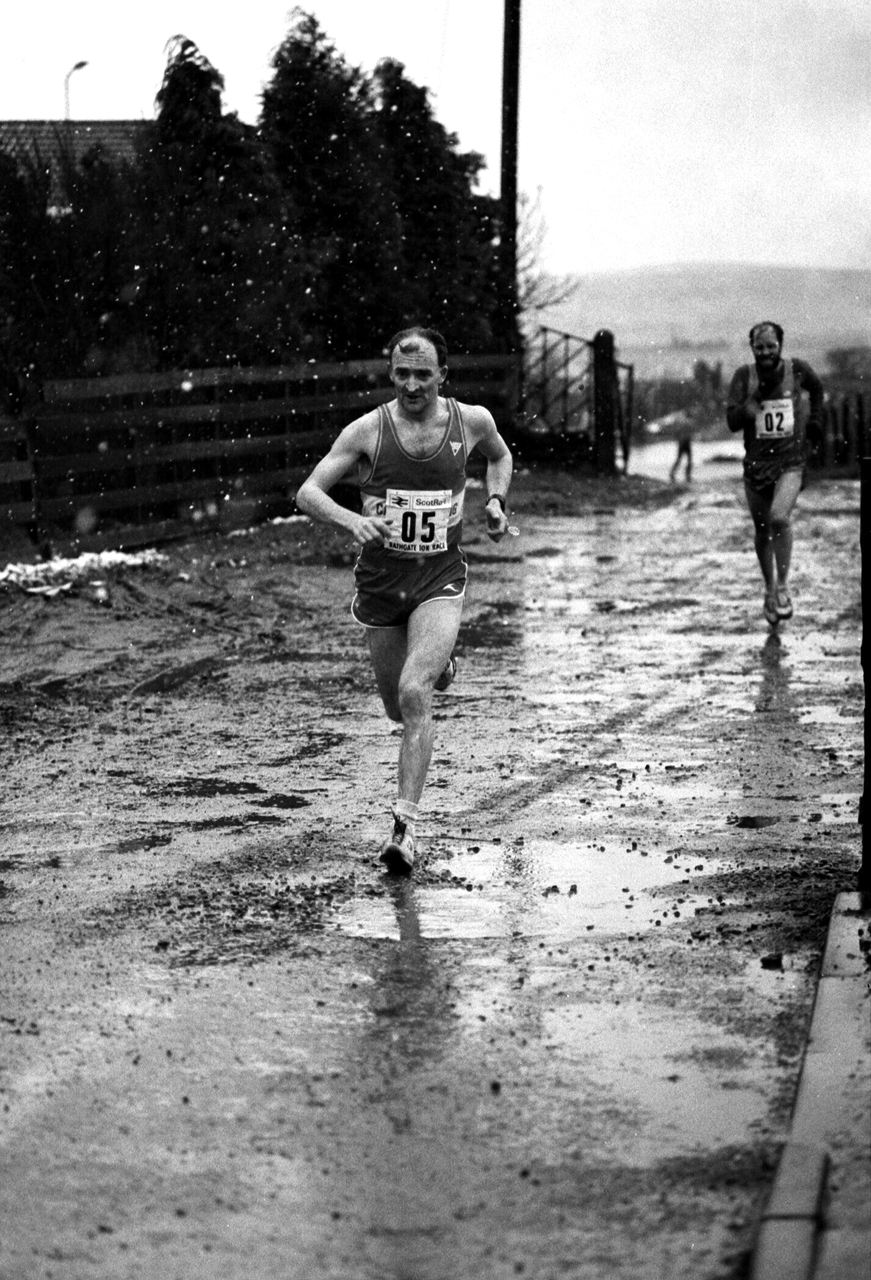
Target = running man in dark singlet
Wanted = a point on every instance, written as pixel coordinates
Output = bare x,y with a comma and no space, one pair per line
766,403
410,459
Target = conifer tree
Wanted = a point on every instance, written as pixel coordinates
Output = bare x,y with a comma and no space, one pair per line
448,264
385,200
317,118
27,268
217,251
348,213
55,248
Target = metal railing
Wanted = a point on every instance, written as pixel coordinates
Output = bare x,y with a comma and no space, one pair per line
578,397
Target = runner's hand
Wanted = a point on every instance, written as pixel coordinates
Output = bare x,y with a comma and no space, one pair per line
371,529
751,404
497,521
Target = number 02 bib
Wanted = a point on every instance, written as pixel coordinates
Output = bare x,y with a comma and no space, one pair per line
775,419
419,520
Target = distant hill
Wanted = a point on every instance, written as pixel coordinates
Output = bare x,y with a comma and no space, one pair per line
666,318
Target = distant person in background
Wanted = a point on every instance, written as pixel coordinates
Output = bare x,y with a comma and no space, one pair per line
766,402
684,454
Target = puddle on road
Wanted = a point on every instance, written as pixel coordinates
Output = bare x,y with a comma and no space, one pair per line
827,715
678,1079
542,887
670,1076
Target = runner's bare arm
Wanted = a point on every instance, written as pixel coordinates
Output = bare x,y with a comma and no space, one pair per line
482,431
812,384
740,409
356,442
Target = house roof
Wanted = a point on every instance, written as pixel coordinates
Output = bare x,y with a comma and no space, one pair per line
44,139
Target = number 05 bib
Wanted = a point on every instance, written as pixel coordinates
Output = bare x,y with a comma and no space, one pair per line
419,520
775,419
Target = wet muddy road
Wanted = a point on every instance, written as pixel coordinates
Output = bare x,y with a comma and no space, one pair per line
232,1047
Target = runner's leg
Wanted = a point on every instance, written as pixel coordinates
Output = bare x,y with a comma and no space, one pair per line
388,648
786,491
407,660
760,510
432,634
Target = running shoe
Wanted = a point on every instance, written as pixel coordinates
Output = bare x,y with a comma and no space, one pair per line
770,610
397,851
446,679
782,603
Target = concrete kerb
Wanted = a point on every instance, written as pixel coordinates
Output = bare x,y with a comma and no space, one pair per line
798,1217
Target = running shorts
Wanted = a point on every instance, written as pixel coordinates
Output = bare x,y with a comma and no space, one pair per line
390,588
761,474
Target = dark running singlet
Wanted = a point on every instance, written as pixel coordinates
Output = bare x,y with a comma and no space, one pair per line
421,497
776,441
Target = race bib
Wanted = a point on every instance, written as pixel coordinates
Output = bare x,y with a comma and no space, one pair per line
418,520
775,419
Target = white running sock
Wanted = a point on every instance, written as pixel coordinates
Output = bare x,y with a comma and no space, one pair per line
406,811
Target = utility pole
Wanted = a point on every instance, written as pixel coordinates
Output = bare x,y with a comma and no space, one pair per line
508,183
864,878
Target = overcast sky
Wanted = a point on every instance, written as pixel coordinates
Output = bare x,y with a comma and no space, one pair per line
659,131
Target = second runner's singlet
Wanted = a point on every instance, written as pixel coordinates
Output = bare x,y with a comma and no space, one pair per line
779,428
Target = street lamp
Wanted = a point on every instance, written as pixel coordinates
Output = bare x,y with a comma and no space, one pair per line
77,67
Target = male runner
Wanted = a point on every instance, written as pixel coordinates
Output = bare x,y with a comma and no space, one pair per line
765,402
410,459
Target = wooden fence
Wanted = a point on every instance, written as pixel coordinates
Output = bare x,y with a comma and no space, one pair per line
17,487
129,460
846,435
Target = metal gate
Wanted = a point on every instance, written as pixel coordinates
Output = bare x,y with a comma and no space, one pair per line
578,398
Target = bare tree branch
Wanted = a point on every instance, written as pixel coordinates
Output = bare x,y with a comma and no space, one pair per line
536,291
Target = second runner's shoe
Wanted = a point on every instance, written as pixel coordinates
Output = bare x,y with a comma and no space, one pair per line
772,617
783,604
